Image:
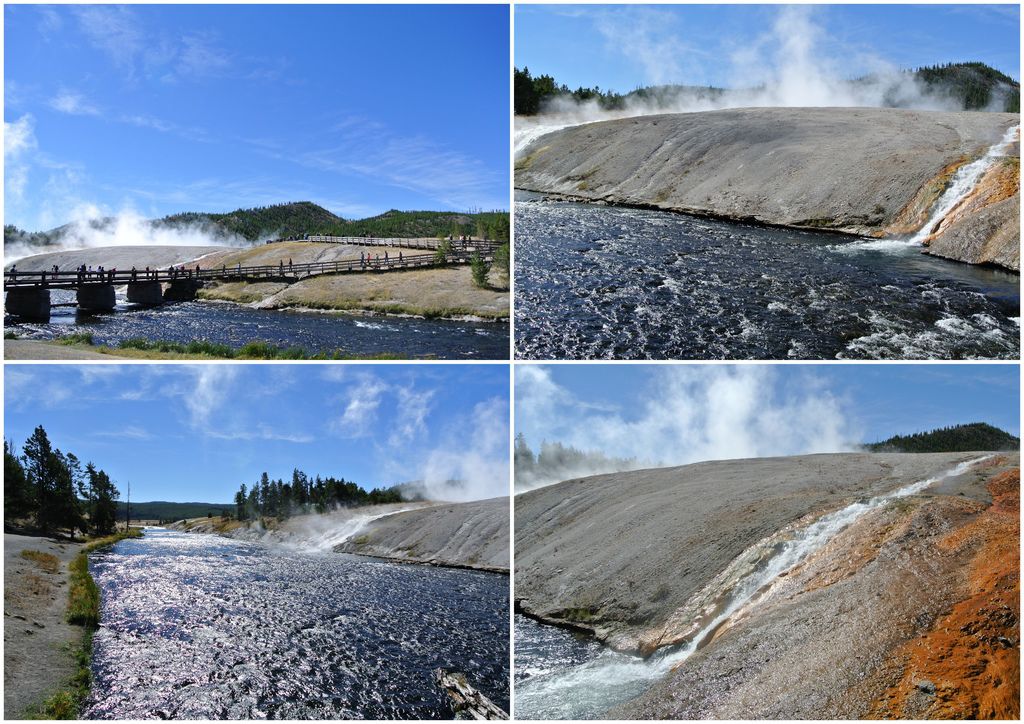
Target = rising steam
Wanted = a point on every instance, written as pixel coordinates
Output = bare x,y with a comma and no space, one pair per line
690,413
92,230
786,67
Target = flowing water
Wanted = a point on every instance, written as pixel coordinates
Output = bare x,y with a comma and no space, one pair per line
611,282
235,325
569,679
200,626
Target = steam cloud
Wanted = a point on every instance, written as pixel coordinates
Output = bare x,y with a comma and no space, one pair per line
694,413
786,67
91,230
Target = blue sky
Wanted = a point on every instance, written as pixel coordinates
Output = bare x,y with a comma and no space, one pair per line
620,48
683,413
158,109
196,432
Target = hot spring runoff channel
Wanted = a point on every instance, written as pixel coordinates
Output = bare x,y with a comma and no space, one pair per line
610,282
200,626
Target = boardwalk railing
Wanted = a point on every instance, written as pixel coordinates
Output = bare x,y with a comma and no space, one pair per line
398,242
280,271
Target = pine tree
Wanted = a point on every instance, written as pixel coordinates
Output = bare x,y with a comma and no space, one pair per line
18,499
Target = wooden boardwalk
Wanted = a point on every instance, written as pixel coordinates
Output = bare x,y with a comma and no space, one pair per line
285,272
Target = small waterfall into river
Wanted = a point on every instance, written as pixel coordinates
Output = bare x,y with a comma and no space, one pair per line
963,183
590,689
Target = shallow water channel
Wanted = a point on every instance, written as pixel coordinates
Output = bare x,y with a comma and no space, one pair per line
234,325
609,282
200,626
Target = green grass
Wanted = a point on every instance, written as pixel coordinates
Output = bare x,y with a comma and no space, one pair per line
10,335
83,610
76,338
251,350
67,703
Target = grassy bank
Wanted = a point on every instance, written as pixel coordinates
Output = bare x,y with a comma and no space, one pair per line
84,611
138,348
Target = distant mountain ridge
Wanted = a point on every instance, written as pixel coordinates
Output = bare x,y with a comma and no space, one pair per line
296,219
956,438
166,510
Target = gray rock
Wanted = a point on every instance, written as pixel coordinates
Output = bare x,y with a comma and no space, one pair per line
855,170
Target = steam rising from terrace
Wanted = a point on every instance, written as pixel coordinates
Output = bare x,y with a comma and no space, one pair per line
787,67
93,230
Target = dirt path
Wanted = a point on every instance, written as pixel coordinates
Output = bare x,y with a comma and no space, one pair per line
34,349
36,637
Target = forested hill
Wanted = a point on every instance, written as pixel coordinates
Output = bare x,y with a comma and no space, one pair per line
292,219
958,438
975,86
300,218
304,217
165,510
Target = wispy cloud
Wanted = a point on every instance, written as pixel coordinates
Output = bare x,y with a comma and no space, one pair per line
363,399
413,408
115,31
73,104
19,141
370,149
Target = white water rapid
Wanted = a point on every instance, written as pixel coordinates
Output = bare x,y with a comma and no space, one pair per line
588,690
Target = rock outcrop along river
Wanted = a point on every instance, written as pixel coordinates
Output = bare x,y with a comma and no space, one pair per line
873,172
462,535
824,586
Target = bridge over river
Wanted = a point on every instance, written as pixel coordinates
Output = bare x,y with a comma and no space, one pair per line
28,293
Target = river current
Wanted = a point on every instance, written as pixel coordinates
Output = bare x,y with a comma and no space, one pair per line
200,626
314,332
610,282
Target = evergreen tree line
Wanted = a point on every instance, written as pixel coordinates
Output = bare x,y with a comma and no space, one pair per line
530,93
955,438
972,84
555,461
51,490
301,218
279,499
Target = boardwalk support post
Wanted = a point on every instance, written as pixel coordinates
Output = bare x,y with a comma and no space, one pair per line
182,290
31,303
96,297
149,293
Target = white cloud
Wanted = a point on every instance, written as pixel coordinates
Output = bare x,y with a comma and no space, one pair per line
19,137
200,57
413,408
364,398
473,461
210,388
691,413
113,30
73,104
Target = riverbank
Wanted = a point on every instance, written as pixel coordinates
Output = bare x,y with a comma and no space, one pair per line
912,612
47,589
76,347
868,172
619,555
472,535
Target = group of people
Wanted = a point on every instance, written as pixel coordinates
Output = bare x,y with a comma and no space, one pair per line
374,260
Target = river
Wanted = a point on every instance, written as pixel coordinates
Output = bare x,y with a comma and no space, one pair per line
314,332
201,626
611,282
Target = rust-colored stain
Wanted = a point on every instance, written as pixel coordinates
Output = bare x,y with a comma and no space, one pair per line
968,665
